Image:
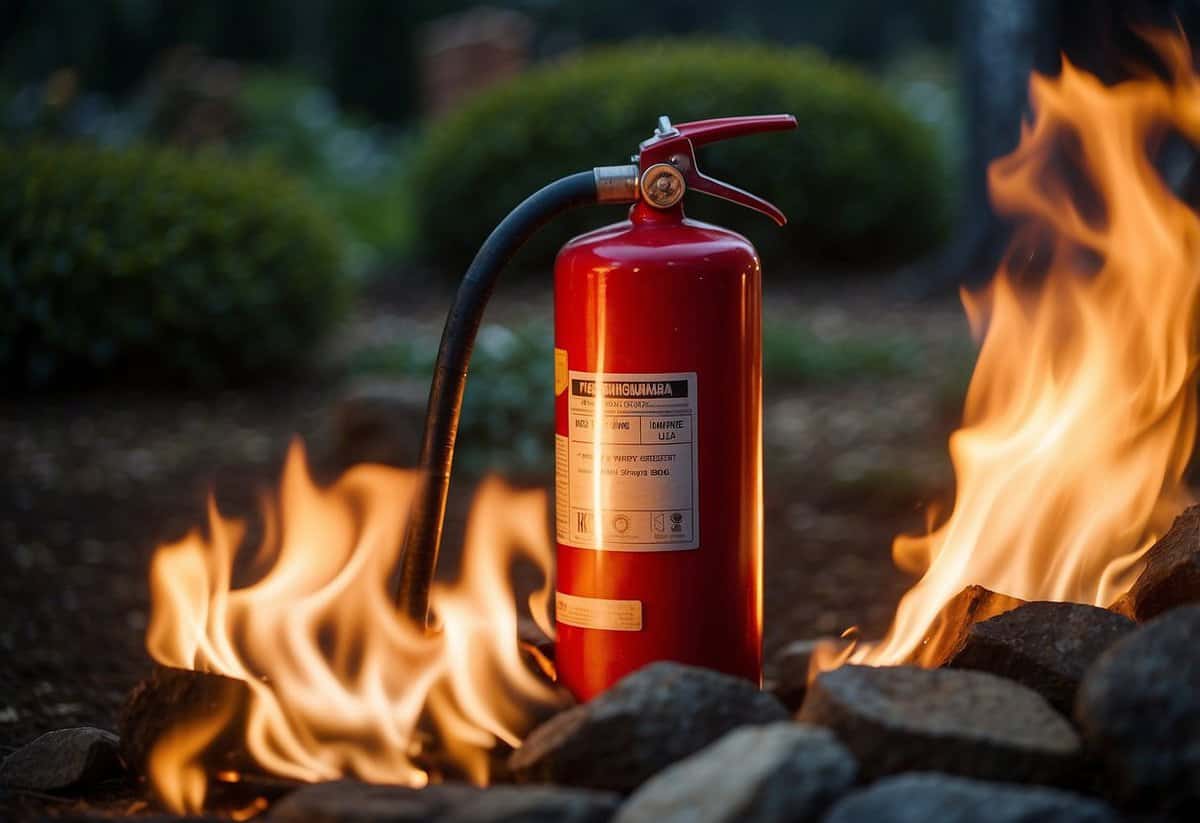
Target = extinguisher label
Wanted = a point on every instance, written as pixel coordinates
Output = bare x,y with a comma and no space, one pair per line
560,371
598,612
626,471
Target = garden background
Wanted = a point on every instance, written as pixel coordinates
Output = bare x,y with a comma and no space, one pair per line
223,223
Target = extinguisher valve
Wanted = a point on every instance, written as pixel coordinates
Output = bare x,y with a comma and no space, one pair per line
663,185
667,161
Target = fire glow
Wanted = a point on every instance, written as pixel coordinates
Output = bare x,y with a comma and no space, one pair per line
339,678
1081,413
1078,425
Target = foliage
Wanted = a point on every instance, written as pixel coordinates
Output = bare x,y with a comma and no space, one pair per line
367,50
926,83
508,413
148,263
111,42
57,109
860,180
356,170
792,354
501,424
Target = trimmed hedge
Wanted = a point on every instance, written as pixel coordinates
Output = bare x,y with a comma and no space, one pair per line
860,180
150,264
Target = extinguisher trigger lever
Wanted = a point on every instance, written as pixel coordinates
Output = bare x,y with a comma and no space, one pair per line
675,145
733,194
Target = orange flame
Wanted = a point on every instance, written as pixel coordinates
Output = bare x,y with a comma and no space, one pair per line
338,677
1081,412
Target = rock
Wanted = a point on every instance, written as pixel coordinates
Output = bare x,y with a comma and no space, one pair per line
920,798
535,804
974,724
347,801
169,697
63,759
1045,646
785,675
785,772
650,719
949,629
1123,606
1139,712
1171,573
373,422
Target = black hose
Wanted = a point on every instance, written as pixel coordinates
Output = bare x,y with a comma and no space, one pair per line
424,533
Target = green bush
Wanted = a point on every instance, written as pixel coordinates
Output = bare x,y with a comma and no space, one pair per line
355,169
146,263
508,409
793,354
860,180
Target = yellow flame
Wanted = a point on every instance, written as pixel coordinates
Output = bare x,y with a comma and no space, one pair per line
1081,412
338,677
253,809
177,753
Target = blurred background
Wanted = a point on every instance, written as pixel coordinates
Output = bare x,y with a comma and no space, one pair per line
223,223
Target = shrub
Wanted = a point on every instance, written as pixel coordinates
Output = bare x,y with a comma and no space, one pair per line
793,354
508,409
146,263
860,180
355,169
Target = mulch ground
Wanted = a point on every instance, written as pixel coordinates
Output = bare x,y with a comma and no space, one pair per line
90,483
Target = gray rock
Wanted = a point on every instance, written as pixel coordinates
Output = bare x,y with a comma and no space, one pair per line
535,804
63,759
1139,711
922,798
347,801
781,773
1170,576
785,675
974,724
654,717
1045,646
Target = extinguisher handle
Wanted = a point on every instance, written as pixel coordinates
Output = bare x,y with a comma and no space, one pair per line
674,146
703,132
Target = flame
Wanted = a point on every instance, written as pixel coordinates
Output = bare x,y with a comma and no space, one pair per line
338,678
1081,412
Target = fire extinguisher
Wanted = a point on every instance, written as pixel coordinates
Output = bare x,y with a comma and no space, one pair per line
658,410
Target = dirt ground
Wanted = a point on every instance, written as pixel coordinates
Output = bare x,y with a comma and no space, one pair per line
91,483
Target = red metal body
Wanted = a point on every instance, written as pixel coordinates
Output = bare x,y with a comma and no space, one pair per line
663,295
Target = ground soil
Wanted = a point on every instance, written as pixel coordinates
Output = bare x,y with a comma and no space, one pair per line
91,483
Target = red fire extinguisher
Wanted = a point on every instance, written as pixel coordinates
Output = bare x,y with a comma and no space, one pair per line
658,375
658,407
